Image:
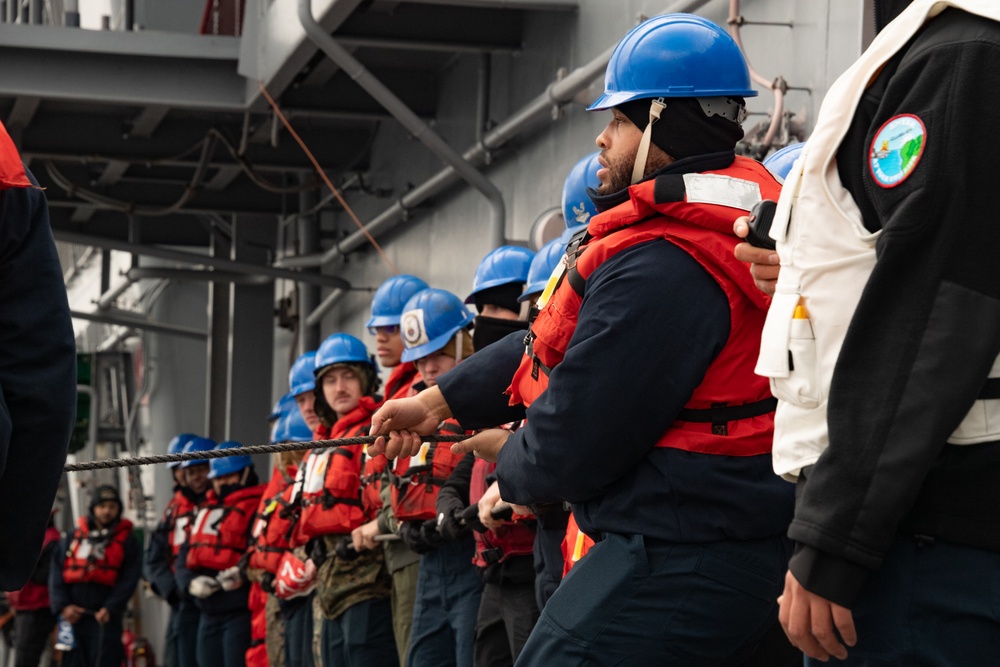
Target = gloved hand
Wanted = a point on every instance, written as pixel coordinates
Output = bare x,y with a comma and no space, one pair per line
470,515
450,527
295,578
203,586
230,579
267,582
412,534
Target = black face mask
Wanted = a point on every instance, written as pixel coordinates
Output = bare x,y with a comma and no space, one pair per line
491,329
226,489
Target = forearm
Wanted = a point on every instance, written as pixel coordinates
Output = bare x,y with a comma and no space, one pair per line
474,390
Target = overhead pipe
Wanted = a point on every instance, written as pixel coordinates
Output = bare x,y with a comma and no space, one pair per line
220,263
545,5
331,300
204,275
558,94
409,120
108,299
126,319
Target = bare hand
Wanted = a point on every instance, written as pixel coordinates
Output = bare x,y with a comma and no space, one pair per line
523,510
102,616
809,620
404,421
764,263
363,536
486,505
486,444
72,612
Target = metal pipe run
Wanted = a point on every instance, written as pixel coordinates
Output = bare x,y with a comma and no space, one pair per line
126,319
409,120
331,300
201,260
557,94
108,299
203,275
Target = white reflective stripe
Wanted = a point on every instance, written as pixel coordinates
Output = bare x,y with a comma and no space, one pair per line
721,190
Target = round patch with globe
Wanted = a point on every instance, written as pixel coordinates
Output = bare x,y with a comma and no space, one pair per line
896,150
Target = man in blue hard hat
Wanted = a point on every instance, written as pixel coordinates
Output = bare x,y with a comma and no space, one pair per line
636,378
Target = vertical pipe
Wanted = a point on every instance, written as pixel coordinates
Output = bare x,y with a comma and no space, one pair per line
36,12
105,271
105,22
129,14
483,96
307,227
71,13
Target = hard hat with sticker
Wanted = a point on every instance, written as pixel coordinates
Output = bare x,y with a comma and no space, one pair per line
896,150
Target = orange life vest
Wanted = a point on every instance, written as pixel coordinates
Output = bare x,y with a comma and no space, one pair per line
513,538
331,479
221,532
575,545
732,411
177,518
417,479
256,655
400,380
274,521
96,556
12,173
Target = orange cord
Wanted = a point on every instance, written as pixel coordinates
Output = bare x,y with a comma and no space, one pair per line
322,174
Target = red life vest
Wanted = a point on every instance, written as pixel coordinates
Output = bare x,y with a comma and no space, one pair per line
400,379
417,479
221,532
274,521
96,557
12,174
732,411
331,479
177,517
575,545
34,595
371,484
513,538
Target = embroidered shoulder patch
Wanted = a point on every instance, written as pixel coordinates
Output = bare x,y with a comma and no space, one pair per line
896,150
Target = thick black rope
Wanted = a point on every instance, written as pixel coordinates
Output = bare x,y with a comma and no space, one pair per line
239,451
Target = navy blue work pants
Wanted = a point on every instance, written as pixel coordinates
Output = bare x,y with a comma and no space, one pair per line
444,616
185,619
930,604
635,601
298,615
223,639
97,645
361,637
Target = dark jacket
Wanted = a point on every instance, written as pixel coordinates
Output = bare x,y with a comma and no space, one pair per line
927,328
37,377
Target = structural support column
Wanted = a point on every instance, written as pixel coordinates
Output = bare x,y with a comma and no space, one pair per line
307,295
217,365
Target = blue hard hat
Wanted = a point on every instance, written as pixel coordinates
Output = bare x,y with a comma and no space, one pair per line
281,406
430,320
577,207
228,464
176,446
301,377
674,55
780,162
196,444
543,265
391,296
293,428
341,348
501,266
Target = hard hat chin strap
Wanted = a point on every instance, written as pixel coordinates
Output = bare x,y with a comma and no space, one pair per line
458,346
656,107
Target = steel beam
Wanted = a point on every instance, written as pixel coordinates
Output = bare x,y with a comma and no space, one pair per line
201,260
